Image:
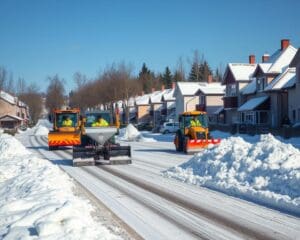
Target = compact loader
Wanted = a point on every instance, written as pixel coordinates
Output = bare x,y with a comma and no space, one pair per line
191,139
97,144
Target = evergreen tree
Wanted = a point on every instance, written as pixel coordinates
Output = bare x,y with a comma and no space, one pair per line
194,73
145,79
167,78
204,71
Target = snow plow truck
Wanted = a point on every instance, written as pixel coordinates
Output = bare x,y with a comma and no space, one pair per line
192,137
94,144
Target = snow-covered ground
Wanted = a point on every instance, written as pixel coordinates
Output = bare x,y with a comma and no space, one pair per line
130,133
37,199
263,170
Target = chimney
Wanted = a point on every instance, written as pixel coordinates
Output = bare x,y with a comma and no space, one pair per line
252,59
173,85
162,87
265,57
210,78
284,43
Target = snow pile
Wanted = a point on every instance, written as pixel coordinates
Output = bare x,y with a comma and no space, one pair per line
33,205
41,130
267,172
130,133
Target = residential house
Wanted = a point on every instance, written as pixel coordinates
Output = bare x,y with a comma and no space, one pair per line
198,96
13,113
156,106
168,111
264,101
236,77
142,108
294,92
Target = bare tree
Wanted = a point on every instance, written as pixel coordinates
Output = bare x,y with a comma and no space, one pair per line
20,86
3,77
33,99
55,93
79,79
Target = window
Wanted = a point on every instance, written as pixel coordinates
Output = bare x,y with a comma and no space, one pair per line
231,90
202,99
260,84
64,116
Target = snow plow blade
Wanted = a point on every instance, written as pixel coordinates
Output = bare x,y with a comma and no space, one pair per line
83,157
113,155
193,146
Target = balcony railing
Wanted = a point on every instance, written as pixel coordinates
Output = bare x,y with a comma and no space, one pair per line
230,102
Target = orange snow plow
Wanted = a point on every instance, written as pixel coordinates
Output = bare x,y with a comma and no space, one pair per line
66,129
193,133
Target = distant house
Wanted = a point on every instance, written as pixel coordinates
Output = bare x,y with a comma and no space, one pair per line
265,100
156,106
142,107
236,77
13,112
201,96
168,111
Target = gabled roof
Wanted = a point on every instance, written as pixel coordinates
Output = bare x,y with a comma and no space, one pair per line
187,88
9,117
168,95
281,59
264,66
142,100
7,97
211,88
241,71
250,88
296,59
285,80
156,96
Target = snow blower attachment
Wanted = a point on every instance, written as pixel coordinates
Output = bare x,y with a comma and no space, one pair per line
193,133
97,142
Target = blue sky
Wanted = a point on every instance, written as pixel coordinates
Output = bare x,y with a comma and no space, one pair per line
40,38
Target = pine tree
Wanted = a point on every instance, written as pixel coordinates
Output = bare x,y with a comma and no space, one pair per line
167,78
194,73
204,71
145,78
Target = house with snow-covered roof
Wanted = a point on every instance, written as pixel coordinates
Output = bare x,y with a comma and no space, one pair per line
168,111
142,108
203,96
266,96
13,112
156,106
236,77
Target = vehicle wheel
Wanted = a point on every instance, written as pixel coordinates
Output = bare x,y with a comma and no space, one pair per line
179,145
185,145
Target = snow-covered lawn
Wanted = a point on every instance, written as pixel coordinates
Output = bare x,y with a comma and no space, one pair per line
37,201
260,168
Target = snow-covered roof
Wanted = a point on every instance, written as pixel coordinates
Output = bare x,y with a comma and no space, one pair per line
191,88
7,97
9,117
142,100
281,59
252,103
168,95
188,88
242,71
219,110
250,88
172,105
212,88
156,96
22,104
285,80
265,66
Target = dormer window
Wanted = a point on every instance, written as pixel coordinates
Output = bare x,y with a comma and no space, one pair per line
231,90
260,84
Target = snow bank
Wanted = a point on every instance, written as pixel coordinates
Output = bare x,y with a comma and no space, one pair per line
130,133
37,199
41,130
267,172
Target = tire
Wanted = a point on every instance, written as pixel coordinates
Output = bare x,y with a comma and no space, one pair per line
185,144
178,136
